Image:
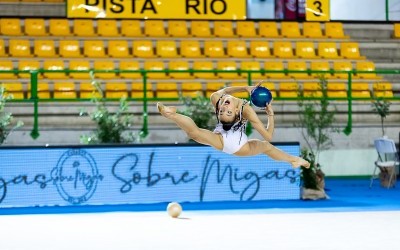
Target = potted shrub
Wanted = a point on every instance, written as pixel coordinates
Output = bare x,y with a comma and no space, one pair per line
381,106
6,118
112,127
316,122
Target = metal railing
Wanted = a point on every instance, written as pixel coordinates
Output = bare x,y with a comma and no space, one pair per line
35,100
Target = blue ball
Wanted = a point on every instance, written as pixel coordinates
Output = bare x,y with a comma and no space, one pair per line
261,97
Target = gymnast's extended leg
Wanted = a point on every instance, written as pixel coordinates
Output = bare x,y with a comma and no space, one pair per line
186,123
255,147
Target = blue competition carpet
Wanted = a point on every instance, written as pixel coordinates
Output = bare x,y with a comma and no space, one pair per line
345,195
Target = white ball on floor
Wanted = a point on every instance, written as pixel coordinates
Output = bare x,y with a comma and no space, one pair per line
174,209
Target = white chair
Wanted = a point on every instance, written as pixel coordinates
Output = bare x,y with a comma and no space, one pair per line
388,159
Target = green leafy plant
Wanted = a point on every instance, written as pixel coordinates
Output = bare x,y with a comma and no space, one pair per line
112,127
316,122
200,110
6,118
381,106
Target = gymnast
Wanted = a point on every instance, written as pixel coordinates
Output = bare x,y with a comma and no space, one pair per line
229,135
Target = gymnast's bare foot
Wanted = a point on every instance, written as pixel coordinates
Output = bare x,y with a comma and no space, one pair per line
300,162
165,110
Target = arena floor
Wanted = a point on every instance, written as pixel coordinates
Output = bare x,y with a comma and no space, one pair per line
355,217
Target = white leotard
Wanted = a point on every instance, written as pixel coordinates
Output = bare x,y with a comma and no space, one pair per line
233,139
236,137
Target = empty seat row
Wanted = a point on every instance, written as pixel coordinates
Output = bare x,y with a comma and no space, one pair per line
230,69
173,49
172,28
192,89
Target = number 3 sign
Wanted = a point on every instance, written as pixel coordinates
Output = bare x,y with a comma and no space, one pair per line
317,10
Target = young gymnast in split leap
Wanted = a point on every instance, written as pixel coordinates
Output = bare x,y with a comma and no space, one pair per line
229,135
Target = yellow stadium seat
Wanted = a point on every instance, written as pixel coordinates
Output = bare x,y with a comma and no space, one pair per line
312,30
140,94
271,87
155,65
283,49
223,29
268,29
366,66
69,49
104,65
167,90
140,87
396,32
129,65
10,27
177,28
143,48
337,94
361,94
288,89
87,90
335,30
107,28
328,50
44,48
2,49
227,66
190,49
260,49
274,66
83,27
382,86
59,27
350,51
298,65
237,49
342,66
64,90
290,29
305,50
288,94
79,66
251,65
94,48
65,95
192,94
246,29
192,89
19,48
214,49
35,27
360,86
131,28
166,48
383,94
179,65
116,90
7,65
311,86
154,28
204,65
312,89
212,87
321,66
43,91
336,86
201,29
118,49
14,89
27,65
54,65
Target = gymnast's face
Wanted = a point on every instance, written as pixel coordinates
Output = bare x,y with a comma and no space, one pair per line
227,110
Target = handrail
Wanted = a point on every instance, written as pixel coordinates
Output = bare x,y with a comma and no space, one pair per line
35,99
